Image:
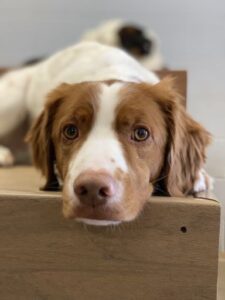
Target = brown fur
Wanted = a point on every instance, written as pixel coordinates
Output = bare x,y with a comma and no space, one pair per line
187,140
44,134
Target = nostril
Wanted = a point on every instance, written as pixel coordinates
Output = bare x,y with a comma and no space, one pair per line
107,190
104,192
81,190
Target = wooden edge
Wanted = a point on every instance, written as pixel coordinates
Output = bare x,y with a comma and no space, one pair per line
25,181
51,196
208,195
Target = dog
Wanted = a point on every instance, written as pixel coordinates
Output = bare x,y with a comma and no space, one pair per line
106,130
141,43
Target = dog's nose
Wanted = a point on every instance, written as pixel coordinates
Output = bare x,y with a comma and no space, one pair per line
94,188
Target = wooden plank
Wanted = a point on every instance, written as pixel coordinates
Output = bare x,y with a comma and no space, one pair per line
44,256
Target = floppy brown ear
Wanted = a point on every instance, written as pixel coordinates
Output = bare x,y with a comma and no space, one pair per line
43,150
39,137
186,145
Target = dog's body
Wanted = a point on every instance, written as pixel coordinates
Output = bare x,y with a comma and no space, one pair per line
111,129
24,91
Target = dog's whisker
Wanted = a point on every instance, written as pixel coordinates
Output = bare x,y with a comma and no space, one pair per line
158,179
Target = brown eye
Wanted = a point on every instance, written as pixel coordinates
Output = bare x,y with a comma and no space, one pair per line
70,132
140,134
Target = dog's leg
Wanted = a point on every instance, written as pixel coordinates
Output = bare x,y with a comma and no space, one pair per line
13,90
13,94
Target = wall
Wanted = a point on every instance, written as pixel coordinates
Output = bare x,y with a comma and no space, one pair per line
192,34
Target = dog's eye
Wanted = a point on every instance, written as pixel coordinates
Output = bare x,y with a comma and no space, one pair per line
70,132
140,134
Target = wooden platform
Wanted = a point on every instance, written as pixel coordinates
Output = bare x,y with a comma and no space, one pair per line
170,252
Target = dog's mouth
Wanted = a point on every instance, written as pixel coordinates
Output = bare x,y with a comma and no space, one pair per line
102,215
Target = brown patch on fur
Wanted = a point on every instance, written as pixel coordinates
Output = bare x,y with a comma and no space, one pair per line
64,105
137,190
186,142
110,81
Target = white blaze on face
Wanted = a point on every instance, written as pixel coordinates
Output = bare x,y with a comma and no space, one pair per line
102,149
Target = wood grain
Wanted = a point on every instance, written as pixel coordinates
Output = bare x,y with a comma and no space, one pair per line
44,256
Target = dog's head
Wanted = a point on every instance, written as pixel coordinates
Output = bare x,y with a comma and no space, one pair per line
113,143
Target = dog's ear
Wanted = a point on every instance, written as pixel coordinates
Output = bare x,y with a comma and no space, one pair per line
39,136
186,143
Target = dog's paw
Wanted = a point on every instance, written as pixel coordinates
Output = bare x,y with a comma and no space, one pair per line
6,157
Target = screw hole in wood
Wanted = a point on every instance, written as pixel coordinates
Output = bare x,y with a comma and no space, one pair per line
183,229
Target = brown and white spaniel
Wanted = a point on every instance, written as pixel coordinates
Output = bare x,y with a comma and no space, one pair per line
110,133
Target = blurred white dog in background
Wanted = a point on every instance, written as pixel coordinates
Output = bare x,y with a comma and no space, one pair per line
141,43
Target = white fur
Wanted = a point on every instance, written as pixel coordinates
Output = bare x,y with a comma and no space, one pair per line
204,182
84,62
102,145
97,222
107,34
6,157
24,91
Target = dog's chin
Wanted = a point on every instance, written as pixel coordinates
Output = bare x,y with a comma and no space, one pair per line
99,216
94,222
